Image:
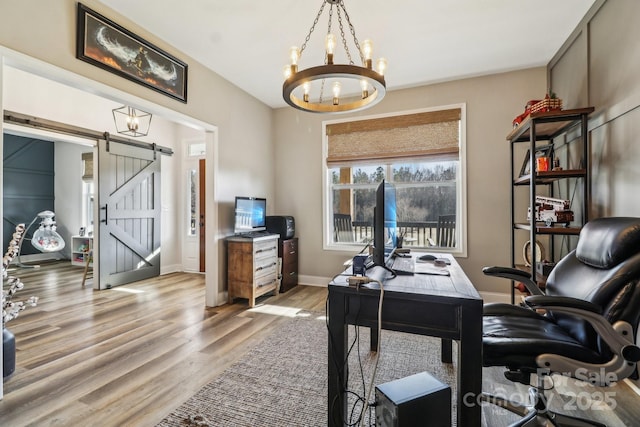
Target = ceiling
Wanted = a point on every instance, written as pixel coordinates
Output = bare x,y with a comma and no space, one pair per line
424,41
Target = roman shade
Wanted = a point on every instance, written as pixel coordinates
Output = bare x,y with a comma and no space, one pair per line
410,136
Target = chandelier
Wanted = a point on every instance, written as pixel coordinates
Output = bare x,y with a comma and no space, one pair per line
352,87
131,122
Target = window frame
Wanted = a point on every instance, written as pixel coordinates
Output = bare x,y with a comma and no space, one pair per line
461,184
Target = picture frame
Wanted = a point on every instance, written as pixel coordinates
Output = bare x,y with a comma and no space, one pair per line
107,45
542,151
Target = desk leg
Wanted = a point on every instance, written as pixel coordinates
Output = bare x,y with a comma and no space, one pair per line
374,338
337,352
470,366
446,351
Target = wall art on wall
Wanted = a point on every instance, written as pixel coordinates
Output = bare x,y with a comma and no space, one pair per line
107,45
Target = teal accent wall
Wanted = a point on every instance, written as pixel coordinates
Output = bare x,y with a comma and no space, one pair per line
28,184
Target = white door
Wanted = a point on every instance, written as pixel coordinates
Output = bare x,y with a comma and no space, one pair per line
129,213
193,242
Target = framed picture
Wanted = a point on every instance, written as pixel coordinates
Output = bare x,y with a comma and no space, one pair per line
105,44
542,151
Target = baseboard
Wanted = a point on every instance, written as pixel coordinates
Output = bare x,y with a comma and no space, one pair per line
313,280
167,269
223,298
495,297
41,257
632,385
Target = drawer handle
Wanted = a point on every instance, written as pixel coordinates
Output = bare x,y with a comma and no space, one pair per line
292,252
266,266
266,284
265,250
292,273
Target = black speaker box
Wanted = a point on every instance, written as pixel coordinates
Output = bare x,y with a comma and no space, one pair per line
414,401
285,226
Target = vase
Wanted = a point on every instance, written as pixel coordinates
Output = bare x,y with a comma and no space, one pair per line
8,352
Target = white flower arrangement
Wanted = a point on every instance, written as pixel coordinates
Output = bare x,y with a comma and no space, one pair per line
11,309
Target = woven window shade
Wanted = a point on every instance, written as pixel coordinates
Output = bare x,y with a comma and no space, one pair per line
419,135
87,163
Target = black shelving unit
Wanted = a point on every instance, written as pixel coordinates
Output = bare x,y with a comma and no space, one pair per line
546,126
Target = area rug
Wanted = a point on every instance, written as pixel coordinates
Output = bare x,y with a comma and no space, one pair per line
283,380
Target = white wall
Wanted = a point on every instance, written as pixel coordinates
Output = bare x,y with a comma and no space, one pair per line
37,96
243,127
68,190
492,103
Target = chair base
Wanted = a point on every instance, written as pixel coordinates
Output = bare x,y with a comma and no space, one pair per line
536,414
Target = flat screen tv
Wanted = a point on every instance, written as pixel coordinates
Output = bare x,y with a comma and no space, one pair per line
250,215
384,224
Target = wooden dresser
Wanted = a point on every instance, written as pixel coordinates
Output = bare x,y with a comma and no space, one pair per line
252,267
288,252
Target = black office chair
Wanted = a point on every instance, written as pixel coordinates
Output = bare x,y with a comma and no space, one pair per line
591,310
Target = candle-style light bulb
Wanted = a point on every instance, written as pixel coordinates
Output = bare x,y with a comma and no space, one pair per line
367,53
331,46
336,93
382,66
365,88
294,54
132,120
306,86
286,71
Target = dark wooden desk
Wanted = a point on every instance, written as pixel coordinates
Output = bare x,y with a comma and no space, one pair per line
448,307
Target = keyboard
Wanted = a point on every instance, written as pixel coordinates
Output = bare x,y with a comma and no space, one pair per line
254,234
403,265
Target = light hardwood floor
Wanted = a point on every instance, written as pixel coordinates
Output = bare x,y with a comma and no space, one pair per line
132,354
125,356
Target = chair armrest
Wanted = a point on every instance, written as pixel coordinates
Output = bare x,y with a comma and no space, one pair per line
613,335
514,274
545,301
502,309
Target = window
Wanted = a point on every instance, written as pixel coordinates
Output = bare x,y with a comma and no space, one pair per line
421,154
196,152
87,192
87,206
192,191
197,149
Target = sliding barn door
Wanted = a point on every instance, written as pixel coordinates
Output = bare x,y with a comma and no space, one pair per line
129,204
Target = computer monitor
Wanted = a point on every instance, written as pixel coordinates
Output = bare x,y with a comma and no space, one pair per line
384,224
250,215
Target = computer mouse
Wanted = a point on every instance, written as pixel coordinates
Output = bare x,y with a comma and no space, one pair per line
427,257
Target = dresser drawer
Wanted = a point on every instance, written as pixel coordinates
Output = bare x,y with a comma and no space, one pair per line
268,249
266,281
265,266
290,246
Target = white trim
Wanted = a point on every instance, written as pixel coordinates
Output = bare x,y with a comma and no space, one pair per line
633,386
212,235
461,189
313,280
49,71
489,297
168,269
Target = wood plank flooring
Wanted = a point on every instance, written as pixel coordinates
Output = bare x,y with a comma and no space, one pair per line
126,356
130,355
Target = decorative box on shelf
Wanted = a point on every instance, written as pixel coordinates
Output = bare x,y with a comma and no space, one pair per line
549,103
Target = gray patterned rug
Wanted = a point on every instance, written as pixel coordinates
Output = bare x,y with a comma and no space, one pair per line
283,380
